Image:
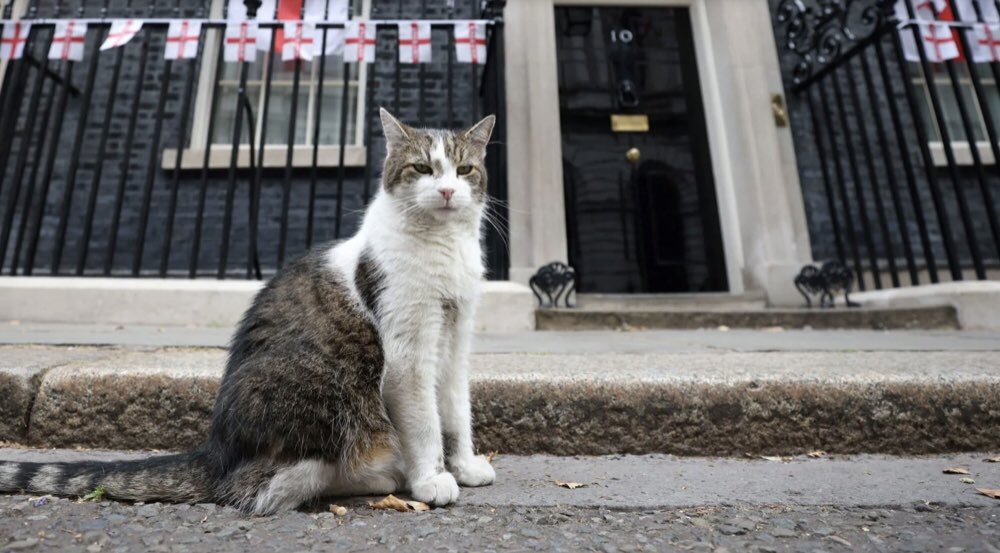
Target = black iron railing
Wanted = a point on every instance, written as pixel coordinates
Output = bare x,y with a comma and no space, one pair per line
881,136
84,190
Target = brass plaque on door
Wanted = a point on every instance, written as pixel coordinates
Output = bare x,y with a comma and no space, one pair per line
621,122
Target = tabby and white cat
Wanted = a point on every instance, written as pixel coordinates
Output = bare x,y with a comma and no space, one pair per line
349,374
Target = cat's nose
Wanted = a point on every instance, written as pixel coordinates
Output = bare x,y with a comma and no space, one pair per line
447,193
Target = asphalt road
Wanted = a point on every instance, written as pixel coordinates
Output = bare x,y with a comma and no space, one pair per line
628,503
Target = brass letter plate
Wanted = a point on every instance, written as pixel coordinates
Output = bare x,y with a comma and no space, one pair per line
621,122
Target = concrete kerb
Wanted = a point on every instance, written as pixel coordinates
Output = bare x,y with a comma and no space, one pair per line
977,302
688,404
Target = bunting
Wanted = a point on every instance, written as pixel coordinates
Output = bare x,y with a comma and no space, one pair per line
301,39
984,35
414,42
68,41
13,38
470,42
359,44
121,32
182,39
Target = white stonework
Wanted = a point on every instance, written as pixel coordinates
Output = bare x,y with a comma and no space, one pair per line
505,307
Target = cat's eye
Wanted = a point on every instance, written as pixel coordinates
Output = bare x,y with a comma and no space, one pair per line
422,169
464,169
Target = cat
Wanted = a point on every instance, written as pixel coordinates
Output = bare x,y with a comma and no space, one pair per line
348,375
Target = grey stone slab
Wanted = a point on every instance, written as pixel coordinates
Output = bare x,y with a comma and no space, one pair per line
21,369
708,404
153,399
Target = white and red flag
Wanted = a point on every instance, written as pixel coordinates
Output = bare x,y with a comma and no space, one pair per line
67,41
414,42
359,44
940,41
240,41
13,38
121,32
984,35
182,39
470,42
299,41
328,10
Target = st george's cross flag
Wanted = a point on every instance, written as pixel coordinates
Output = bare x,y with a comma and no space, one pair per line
359,43
121,32
414,42
67,41
984,35
182,39
470,42
939,42
298,41
240,41
12,39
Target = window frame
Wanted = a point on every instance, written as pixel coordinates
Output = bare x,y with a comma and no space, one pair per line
960,147
275,155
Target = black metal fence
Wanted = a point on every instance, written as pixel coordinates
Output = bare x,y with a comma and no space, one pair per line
902,157
85,188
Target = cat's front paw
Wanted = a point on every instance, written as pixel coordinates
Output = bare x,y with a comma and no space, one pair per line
473,471
440,489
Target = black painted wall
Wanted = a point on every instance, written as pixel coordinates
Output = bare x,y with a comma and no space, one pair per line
431,101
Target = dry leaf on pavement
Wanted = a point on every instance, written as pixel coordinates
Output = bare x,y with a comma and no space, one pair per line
995,494
394,503
957,470
490,456
338,510
570,485
966,480
775,458
841,541
816,454
992,460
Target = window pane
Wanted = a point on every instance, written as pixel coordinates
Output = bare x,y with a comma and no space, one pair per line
280,112
225,112
329,132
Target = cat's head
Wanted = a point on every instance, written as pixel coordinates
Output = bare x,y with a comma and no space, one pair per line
436,173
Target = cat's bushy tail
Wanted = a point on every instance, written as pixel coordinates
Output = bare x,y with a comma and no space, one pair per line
185,477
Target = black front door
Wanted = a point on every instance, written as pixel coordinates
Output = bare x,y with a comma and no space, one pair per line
641,213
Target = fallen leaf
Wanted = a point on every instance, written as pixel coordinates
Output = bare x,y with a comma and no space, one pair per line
570,485
775,458
841,541
957,470
338,510
992,460
774,329
96,495
722,328
490,456
995,494
816,454
967,480
394,503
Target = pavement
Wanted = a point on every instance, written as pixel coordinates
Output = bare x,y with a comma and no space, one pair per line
627,503
703,392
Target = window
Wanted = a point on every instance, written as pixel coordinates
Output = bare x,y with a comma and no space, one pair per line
949,107
279,108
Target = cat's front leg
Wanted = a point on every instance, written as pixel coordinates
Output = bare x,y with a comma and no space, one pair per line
453,400
410,394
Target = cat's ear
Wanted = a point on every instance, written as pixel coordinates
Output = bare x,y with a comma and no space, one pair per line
395,131
480,133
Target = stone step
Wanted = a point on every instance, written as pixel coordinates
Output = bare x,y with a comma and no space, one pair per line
703,403
658,317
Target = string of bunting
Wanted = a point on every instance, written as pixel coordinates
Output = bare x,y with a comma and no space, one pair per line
242,39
